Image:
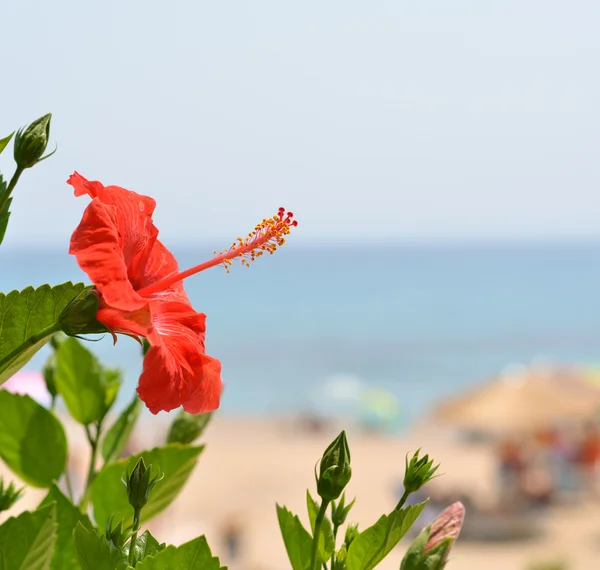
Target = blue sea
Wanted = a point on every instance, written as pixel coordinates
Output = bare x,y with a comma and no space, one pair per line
302,326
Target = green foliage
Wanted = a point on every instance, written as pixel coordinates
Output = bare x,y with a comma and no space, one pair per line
193,555
32,441
145,545
67,517
28,318
27,541
186,428
4,142
373,544
297,540
549,565
94,552
87,388
9,495
4,211
326,540
118,435
108,493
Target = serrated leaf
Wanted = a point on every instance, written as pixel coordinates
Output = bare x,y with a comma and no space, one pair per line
117,436
32,441
192,555
297,540
28,318
373,544
27,541
108,492
326,540
67,517
94,552
4,142
87,388
145,545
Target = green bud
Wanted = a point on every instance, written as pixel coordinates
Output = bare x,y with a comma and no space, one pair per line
419,470
117,535
79,316
339,562
334,470
340,511
139,484
8,496
187,427
31,142
351,534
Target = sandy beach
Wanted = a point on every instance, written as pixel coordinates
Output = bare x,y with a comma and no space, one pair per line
249,465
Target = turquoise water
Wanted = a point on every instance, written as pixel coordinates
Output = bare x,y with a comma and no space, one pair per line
421,322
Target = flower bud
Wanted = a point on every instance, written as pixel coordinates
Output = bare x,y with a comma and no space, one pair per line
351,534
8,496
188,427
31,142
139,484
339,562
418,471
340,511
117,535
431,548
448,524
335,470
79,316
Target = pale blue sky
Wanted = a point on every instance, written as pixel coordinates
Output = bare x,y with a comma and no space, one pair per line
370,120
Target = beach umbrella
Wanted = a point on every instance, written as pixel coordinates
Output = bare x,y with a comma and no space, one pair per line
526,401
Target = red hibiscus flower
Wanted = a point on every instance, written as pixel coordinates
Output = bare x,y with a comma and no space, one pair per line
141,291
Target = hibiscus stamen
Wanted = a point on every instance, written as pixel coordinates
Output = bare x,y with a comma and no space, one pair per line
265,238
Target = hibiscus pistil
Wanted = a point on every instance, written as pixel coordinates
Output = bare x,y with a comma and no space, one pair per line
266,238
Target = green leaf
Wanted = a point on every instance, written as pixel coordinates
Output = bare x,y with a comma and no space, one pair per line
108,493
67,517
27,541
117,436
27,321
4,142
326,540
188,427
193,555
5,213
32,441
145,545
87,388
296,538
373,544
94,552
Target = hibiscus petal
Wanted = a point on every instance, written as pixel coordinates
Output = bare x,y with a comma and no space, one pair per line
133,211
177,372
95,244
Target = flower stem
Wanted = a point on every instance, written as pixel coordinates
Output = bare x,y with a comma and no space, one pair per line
10,188
402,500
136,526
335,531
317,533
31,341
93,439
69,484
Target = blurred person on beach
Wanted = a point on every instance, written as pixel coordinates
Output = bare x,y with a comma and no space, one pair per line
232,537
588,457
511,467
